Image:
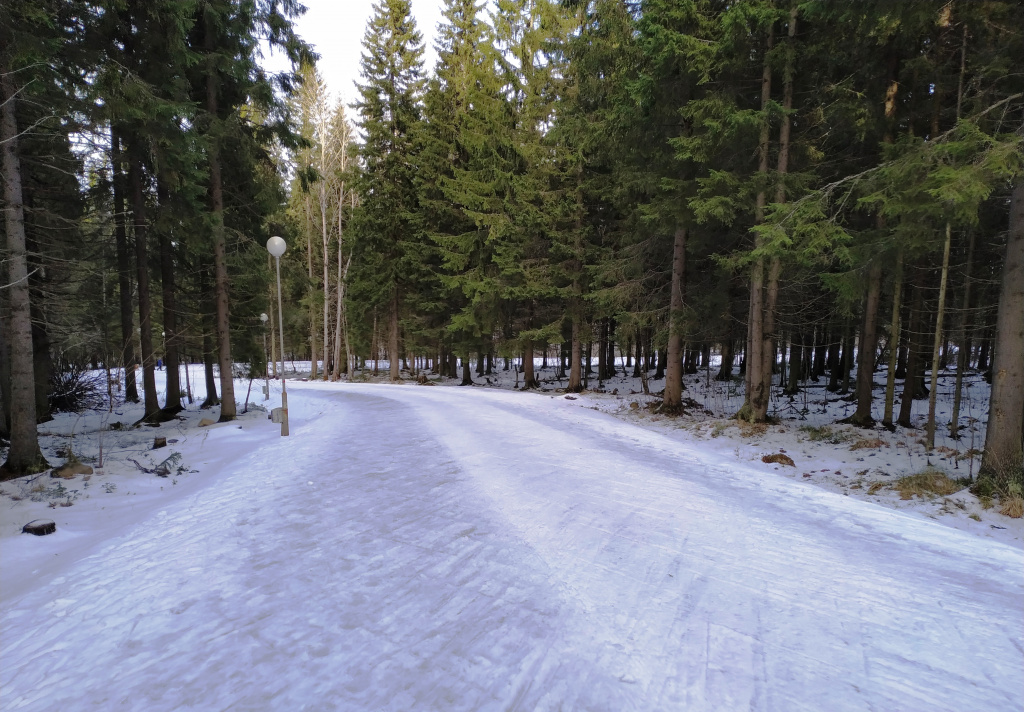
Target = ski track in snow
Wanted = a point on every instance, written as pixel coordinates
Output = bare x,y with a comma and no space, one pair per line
444,549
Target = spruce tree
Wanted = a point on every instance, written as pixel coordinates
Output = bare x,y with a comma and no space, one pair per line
391,243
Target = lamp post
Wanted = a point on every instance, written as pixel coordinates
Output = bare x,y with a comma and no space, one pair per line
266,358
276,247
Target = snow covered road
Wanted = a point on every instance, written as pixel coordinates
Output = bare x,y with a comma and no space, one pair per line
465,549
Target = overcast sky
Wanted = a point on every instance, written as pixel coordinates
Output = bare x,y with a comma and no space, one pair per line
335,28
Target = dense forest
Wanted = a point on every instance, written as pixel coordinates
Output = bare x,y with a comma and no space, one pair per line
793,190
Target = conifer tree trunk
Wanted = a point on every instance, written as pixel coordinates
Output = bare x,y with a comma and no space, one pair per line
575,359
610,358
220,260
847,362
755,406
894,342
963,350
672,400
795,364
124,271
933,391
393,357
24,455
150,400
728,356
868,345
913,355
529,376
1003,436
208,346
5,405
775,263
172,401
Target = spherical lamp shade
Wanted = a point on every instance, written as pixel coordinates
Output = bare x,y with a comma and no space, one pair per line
264,317
276,246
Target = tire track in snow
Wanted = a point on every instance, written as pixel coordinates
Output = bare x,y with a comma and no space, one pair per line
854,614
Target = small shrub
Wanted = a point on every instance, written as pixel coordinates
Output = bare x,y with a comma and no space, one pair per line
1012,506
73,388
779,459
927,483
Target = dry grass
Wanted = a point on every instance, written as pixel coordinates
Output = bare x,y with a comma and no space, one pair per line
750,430
925,484
875,486
868,443
824,434
779,459
1012,506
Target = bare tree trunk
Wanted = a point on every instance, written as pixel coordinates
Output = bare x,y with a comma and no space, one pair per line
326,260
24,456
672,399
933,391
150,400
1003,436
340,306
314,360
124,272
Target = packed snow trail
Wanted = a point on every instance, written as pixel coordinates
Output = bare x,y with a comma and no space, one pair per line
440,549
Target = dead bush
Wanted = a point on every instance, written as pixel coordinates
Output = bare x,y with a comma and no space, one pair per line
779,459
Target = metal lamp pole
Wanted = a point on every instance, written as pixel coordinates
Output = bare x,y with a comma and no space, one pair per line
276,247
266,357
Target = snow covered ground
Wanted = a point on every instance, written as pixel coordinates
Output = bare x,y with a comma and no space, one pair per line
427,548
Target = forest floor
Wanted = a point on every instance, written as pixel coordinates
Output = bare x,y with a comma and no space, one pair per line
474,548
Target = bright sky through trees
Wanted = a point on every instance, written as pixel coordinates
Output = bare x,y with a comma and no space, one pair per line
335,29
